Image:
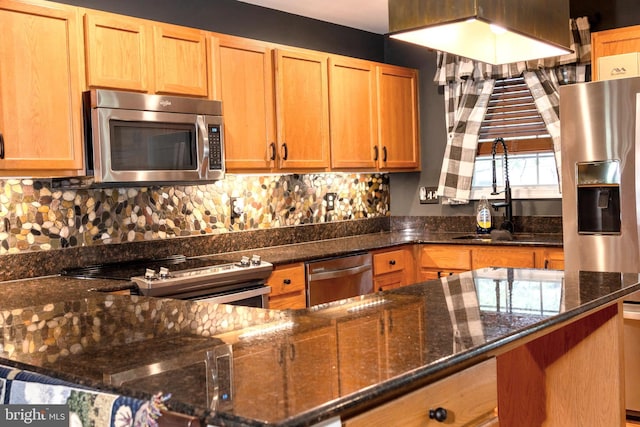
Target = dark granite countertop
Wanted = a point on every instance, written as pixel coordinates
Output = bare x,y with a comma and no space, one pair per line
290,367
342,246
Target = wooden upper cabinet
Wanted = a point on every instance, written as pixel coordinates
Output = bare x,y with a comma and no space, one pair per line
613,42
353,107
243,81
40,93
181,60
127,53
398,118
302,110
118,52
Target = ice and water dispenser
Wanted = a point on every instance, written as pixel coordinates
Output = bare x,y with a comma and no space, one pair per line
598,197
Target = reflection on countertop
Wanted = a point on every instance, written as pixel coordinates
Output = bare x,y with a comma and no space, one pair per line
292,367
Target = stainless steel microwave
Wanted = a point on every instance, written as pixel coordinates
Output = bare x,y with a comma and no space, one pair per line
143,139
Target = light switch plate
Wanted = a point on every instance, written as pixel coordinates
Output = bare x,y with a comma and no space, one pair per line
427,195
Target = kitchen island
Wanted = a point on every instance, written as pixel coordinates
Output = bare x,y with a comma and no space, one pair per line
544,347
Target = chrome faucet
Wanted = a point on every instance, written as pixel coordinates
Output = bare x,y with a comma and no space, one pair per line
506,204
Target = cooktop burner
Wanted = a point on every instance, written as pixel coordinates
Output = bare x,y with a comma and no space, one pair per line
179,275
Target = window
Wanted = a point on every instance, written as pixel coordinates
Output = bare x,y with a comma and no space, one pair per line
513,116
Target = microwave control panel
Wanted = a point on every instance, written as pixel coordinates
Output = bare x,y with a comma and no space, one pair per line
215,147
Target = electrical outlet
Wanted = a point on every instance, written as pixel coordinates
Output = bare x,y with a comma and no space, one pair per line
237,207
427,195
331,199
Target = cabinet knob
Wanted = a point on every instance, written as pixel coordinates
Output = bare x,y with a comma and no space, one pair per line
287,281
438,414
392,262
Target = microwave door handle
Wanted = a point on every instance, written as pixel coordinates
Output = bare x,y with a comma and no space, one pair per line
203,135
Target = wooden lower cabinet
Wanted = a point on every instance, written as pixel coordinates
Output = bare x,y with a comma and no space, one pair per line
301,353
287,287
262,361
393,268
436,260
385,343
284,365
469,398
359,358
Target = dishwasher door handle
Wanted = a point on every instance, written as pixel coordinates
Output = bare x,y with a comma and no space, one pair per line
334,274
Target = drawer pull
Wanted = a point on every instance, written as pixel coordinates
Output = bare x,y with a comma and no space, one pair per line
438,414
272,146
285,152
376,153
287,281
392,262
1,146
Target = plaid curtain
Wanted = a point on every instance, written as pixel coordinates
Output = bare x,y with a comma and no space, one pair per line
466,83
466,103
464,311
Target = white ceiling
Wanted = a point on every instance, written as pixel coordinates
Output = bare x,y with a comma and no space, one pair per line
368,15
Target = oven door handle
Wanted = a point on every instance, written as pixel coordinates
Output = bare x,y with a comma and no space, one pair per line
334,274
235,296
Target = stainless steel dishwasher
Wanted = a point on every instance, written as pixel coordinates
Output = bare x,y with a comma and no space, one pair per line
338,278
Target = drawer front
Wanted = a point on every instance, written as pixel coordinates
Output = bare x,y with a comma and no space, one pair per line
387,262
288,279
469,398
618,66
446,258
504,257
389,281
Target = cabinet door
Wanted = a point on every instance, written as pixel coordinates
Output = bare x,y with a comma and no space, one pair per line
119,52
550,259
287,287
40,94
404,339
613,42
181,60
302,109
244,84
354,125
398,118
312,380
266,362
360,343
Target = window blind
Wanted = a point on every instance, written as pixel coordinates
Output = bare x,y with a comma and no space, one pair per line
513,116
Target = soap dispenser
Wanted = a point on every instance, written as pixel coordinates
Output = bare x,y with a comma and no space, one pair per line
483,217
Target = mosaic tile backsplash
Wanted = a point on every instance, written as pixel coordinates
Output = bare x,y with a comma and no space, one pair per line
38,215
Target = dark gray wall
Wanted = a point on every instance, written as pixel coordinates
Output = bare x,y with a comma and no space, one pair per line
245,20
237,18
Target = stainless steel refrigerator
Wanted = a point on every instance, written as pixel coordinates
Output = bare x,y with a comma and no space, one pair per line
599,175
600,203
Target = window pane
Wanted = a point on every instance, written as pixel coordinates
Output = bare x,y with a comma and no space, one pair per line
524,170
548,171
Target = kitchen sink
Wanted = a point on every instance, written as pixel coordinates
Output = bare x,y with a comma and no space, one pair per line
519,237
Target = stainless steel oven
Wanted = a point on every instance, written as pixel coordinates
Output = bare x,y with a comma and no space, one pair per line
204,279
